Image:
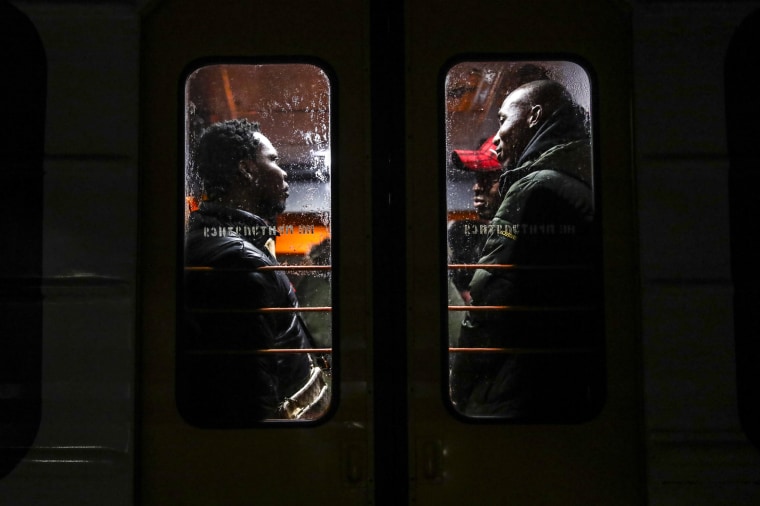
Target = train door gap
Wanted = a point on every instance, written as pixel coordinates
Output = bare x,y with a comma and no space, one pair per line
388,135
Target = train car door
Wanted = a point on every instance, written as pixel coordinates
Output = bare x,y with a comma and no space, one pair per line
206,434
571,434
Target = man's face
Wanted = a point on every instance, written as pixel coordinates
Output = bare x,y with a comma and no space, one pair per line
268,179
514,132
486,199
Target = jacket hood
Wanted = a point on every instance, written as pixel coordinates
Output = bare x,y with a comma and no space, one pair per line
568,123
561,143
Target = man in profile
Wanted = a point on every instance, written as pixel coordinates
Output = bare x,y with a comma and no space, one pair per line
540,243
233,292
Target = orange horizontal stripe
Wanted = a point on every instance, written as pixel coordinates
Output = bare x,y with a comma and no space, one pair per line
522,308
517,266
536,351
259,352
264,268
307,309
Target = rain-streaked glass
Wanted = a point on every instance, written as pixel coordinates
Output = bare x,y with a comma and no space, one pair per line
234,315
525,313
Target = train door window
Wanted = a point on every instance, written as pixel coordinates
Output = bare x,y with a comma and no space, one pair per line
525,299
255,340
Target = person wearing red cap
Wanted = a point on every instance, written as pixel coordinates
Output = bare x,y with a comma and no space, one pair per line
466,237
545,219
487,169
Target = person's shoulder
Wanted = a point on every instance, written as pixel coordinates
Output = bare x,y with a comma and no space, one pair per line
570,160
251,253
228,250
564,156
537,178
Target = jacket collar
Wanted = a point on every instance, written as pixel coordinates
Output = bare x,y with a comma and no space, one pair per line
561,143
212,214
571,158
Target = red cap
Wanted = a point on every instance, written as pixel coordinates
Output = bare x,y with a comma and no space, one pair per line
482,160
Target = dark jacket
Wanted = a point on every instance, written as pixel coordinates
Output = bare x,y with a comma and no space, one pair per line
544,226
221,383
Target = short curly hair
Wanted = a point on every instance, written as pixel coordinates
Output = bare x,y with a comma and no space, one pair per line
220,149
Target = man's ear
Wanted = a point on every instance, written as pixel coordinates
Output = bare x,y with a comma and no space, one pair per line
534,117
244,169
